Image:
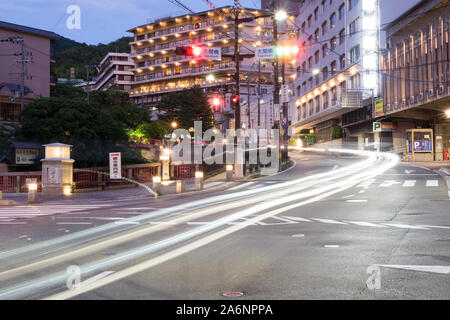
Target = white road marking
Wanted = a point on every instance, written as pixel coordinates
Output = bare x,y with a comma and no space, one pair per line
74,223
357,201
329,221
130,209
388,183
126,222
346,197
365,224
366,184
404,226
93,279
432,183
241,186
409,171
297,219
409,183
331,246
432,269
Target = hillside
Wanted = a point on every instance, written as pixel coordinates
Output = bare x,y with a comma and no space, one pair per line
70,53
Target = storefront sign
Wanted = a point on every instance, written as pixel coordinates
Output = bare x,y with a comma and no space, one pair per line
422,146
26,156
378,108
265,53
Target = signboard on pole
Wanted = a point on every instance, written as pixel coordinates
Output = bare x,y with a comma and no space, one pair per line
212,53
284,97
377,127
265,53
115,166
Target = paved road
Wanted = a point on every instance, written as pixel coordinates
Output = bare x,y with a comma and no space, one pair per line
311,232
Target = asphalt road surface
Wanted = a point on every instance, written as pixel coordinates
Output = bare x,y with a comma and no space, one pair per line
330,227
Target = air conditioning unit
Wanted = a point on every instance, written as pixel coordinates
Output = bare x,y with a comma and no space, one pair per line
412,100
441,90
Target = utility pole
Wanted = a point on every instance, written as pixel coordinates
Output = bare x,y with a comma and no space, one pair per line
88,66
276,84
248,99
237,112
22,62
259,93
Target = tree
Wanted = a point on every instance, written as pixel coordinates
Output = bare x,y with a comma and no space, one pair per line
187,106
93,129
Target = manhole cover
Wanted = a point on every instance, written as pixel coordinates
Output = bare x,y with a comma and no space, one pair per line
232,294
300,235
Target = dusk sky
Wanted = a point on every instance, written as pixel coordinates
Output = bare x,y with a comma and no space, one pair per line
107,20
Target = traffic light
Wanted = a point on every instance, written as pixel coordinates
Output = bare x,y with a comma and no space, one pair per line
234,101
216,103
193,51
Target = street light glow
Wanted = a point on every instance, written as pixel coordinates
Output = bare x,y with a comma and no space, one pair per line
210,77
315,72
281,15
447,113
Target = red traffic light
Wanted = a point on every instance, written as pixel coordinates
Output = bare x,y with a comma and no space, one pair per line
235,99
216,102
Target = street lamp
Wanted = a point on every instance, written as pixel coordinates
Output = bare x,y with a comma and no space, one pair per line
315,72
210,78
174,124
281,15
447,113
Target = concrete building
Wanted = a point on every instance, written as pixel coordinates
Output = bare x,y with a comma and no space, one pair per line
337,72
415,78
39,62
114,71
158,70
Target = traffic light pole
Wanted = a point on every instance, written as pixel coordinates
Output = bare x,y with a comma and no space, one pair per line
284,152
276,83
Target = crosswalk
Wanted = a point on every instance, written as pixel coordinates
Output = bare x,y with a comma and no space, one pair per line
409,183
13,215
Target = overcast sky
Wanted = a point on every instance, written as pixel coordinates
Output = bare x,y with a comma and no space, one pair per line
107,20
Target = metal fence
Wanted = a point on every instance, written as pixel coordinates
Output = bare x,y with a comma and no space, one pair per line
15,182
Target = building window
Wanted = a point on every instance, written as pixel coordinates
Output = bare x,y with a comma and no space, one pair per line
316,35
325,73
324,28
316,14
342,61
325,50
341,36
324,4
316,56
299,90
325,100
332,20
341,11
309,62
333,67
309,21
352,4
354,26
333,43
316,77
354,54
317,104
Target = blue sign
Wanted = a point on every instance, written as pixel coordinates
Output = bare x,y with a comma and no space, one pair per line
422,145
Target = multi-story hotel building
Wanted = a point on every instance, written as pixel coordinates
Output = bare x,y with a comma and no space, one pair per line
338,67
39,56
114,71
415,79
158,70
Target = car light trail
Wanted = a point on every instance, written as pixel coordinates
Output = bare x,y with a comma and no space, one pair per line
319,193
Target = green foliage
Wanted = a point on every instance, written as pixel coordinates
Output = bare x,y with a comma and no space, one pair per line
153,130
304,131
337,133
94,129
69,54
187,106
310,138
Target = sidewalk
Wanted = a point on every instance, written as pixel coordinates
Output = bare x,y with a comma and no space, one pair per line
139,192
